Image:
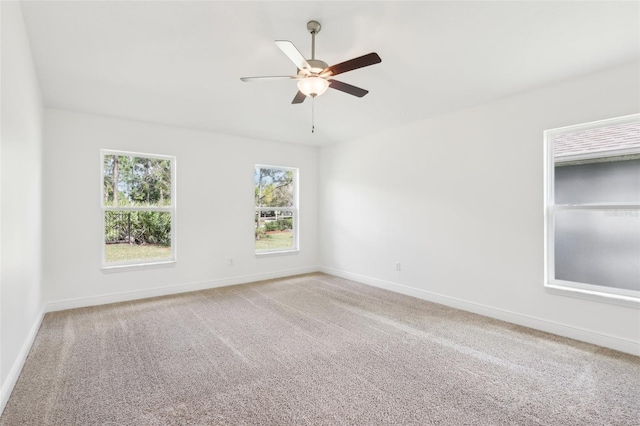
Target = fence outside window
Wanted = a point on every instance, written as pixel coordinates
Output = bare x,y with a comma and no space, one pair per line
117,227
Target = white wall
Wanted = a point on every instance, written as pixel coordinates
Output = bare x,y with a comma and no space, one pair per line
20,198
458,200
214,209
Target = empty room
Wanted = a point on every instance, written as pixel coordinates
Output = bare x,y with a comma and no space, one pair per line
320,212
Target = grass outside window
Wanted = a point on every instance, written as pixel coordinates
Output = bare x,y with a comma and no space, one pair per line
277,240
136,252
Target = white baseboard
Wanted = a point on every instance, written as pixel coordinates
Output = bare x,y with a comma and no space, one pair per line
622,345
16,368
61,305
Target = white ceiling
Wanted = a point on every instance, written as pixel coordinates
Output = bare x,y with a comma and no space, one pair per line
179,63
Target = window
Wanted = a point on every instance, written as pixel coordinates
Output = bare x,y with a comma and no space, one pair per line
138,208
276,209
593,210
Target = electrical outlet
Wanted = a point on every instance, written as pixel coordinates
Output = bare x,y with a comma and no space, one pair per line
397,266
231,261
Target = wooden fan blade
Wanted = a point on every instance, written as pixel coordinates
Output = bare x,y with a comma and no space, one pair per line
347,88
300,97
352,64
270,77
294,54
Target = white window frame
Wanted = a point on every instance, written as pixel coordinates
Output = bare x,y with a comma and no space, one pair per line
145,263
569,288
295,209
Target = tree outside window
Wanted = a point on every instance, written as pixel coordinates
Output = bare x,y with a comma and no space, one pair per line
138,207
276,211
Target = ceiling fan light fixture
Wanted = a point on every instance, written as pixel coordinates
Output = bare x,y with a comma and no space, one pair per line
313,86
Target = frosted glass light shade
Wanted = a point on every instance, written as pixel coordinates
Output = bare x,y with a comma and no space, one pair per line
313,86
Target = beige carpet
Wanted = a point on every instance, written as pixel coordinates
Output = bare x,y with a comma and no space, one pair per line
312,349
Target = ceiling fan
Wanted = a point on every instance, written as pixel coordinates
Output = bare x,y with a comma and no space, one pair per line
315,76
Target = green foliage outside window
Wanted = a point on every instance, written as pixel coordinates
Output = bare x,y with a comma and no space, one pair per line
137,227
279,225
275,203
136,181
130,181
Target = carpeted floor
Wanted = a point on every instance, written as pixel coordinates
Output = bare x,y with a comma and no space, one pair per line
312,349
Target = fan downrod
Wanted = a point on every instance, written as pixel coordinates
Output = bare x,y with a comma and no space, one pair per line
314,28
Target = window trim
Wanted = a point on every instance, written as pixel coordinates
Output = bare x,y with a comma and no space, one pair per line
598,293
145,263
295,208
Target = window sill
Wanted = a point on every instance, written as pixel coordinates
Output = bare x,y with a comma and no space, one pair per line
138,266
615,299
277,253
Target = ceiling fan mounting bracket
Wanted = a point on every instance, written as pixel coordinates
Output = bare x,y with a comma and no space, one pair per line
314,27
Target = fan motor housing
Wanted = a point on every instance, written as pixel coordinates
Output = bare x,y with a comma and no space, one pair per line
317,65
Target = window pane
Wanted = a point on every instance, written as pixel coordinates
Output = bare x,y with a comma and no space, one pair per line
137,235
598,247
598,165
604,182
273,187
140,181
274,230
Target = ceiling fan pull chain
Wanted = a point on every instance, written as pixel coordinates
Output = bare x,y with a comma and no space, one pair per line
313,110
